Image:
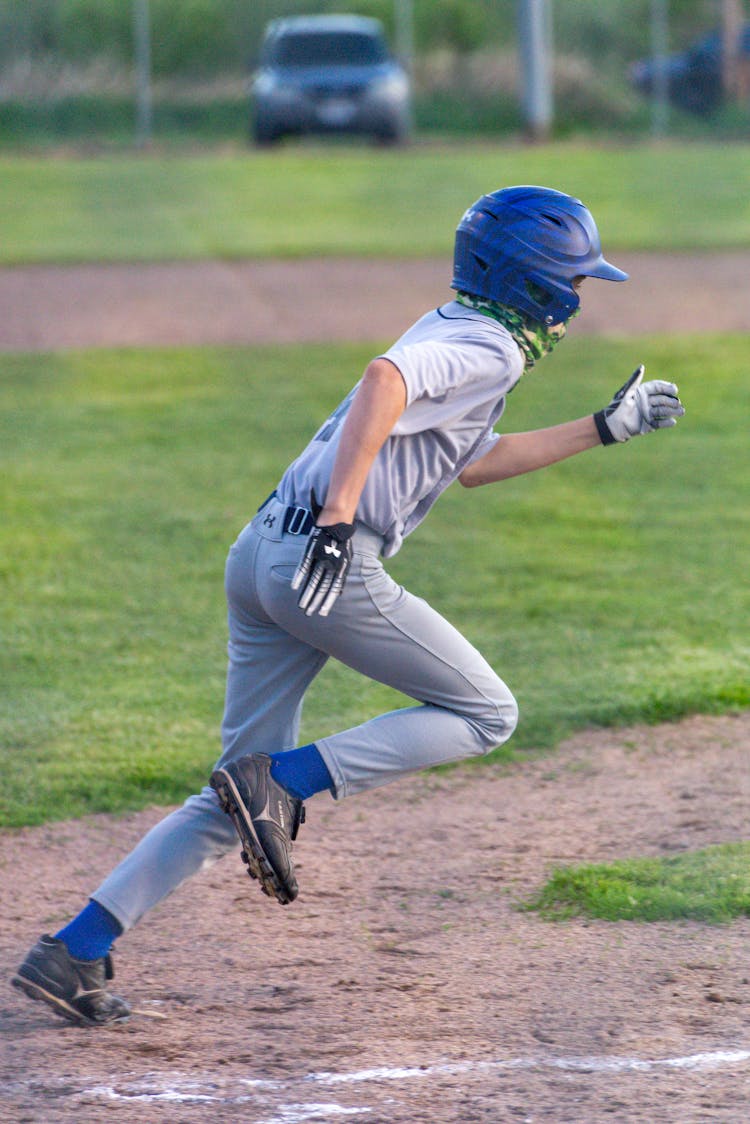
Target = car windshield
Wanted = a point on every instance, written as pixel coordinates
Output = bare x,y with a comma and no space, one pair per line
321,48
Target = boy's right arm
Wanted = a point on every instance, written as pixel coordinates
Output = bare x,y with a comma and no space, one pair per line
376,407
378,404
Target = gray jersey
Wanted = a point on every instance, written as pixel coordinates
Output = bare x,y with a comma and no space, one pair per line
458,365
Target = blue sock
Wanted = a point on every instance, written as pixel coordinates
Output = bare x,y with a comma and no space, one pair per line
91,934
303,772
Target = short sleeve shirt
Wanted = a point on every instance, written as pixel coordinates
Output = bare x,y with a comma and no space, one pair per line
458,366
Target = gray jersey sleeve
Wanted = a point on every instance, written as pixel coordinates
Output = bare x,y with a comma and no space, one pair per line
453,365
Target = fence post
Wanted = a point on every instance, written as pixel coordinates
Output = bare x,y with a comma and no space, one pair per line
659,49
142,40
534,45
731,34
404,13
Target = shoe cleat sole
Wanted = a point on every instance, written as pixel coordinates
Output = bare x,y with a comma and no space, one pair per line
58,1005
253,855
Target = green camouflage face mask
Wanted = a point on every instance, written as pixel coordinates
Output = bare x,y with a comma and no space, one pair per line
534,339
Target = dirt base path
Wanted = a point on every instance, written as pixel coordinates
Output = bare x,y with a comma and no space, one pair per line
404,985
43,307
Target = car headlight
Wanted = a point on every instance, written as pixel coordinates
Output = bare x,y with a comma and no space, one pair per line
394,87
268,86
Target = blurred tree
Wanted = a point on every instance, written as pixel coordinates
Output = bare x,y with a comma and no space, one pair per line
221,36
456,24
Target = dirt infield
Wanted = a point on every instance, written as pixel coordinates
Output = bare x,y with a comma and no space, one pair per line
43,307
404,986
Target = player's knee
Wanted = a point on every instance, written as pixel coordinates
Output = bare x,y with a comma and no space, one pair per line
499,719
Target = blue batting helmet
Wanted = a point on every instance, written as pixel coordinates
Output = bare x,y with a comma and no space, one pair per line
523,246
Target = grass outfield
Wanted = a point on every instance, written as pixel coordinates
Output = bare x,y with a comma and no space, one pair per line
608,589
353,200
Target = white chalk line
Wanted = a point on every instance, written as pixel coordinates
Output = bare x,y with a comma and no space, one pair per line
710,1060
157,1088
292,1113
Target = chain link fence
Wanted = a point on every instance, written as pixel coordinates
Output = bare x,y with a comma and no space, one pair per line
69,73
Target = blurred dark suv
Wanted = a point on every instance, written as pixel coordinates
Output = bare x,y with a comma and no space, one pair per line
693,77
329,74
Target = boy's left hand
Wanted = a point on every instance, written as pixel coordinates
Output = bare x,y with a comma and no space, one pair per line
639,407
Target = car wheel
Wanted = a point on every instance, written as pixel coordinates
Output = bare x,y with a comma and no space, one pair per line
391,135
264,135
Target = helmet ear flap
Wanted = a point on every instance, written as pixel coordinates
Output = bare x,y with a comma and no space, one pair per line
553,302
538,293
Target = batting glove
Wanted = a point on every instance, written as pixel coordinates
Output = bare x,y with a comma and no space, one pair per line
322,572
639,407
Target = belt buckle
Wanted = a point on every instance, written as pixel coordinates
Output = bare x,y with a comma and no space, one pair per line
297,521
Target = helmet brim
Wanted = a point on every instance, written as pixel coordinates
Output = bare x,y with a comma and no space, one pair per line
605,271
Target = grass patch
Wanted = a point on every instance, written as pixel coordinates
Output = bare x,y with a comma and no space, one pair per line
608,589
354,200
712,885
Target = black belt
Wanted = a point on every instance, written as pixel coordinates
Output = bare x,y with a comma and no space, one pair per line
298,521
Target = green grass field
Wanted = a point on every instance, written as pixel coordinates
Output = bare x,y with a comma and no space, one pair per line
712,885
355,200
609,589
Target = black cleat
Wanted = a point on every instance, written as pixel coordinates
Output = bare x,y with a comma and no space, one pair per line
266,818
74,989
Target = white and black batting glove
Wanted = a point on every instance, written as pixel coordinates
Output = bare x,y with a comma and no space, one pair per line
639,407
322,572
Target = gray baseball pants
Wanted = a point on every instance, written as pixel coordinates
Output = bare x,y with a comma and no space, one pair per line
275,652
